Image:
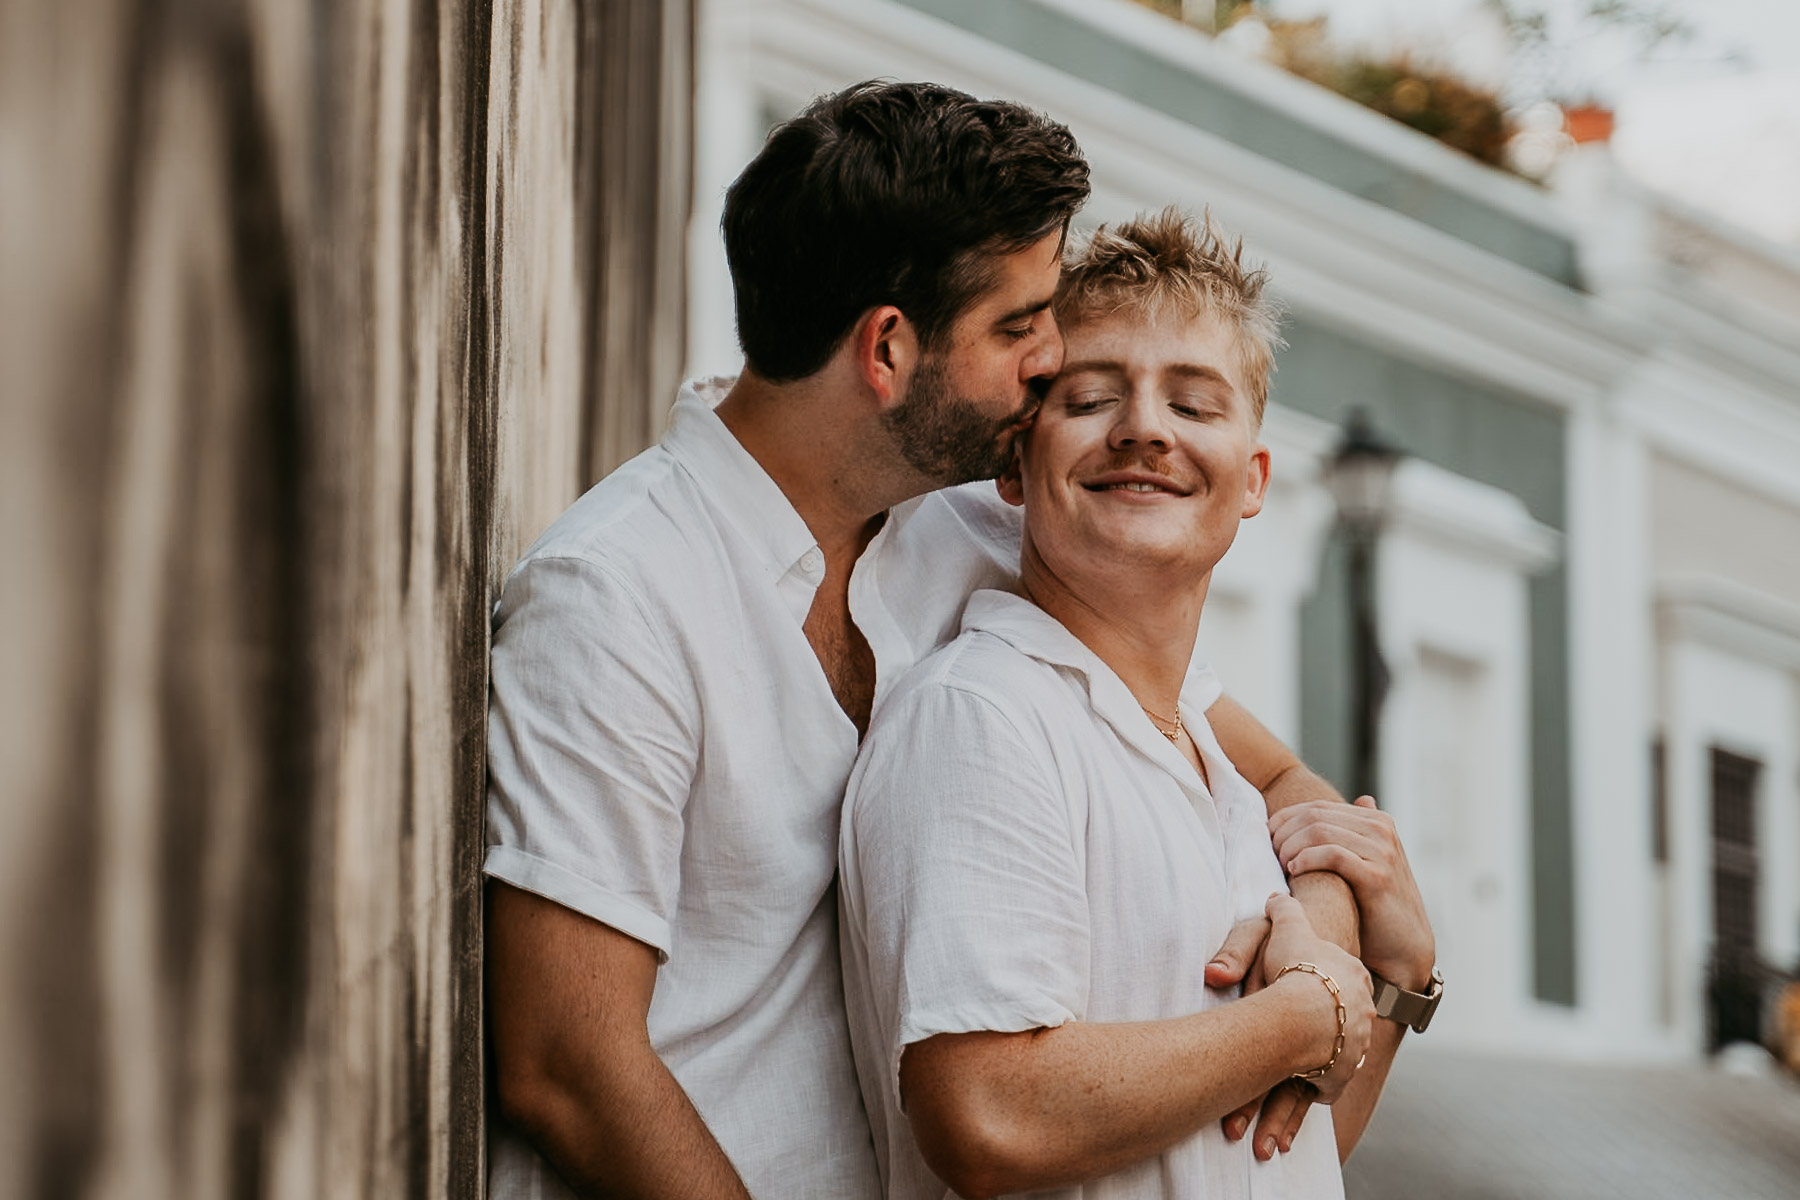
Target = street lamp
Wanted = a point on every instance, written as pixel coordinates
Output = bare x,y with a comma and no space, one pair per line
1360,475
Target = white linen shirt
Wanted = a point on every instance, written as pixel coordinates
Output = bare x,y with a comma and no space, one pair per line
666,756
1021,847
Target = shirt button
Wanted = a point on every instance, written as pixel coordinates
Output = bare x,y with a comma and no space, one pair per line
812,562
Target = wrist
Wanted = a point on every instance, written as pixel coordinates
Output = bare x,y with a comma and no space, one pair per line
1325,1006
1330,906
1404,1005
1411,971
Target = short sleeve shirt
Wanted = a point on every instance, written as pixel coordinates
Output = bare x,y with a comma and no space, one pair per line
1021,848
666,756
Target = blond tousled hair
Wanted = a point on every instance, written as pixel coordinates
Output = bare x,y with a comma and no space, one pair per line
1171,261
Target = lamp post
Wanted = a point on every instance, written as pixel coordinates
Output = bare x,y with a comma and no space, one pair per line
1361,475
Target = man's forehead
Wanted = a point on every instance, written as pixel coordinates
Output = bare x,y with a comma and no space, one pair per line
1132,340
1034,269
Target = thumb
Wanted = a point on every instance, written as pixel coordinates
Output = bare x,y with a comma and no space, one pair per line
1233,960
1365,802
1284,911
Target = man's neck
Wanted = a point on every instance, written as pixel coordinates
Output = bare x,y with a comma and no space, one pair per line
1140,625
824,451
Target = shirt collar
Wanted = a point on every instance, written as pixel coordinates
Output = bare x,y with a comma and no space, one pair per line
752,501
1035,633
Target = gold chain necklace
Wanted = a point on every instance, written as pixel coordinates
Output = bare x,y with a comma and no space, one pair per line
1174,735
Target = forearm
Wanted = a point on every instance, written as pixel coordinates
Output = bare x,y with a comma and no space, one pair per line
1329,902
1001,1113
1330,905
628,1132
573,1064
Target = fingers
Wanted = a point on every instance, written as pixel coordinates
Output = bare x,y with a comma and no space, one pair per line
1291,935
1298,1115
1236,1123
1362,815
1365,833
1369,830
1232,962
1358,872
1344,828
1282,1113
1304,811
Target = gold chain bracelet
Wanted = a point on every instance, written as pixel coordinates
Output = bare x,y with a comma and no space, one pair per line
1337,998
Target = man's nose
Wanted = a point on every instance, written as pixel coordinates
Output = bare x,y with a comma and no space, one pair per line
1140,420
1046,357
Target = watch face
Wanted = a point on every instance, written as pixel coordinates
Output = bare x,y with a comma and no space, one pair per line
1408,1008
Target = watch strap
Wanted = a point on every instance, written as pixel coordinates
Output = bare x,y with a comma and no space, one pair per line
1413,1009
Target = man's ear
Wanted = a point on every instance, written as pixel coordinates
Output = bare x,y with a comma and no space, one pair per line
887,352
1256,483
1010,483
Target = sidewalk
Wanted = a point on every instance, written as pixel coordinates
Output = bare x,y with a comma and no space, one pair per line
1459,1127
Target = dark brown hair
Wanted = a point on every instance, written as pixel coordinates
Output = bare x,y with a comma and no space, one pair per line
887,193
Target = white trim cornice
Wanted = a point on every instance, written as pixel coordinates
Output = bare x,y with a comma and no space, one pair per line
1453,511
1726,615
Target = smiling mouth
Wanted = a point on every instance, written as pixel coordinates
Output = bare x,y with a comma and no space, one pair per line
1130,487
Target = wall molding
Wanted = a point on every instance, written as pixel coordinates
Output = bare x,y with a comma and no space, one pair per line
1725,615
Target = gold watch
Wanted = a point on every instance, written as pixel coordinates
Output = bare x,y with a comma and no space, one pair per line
1407,1008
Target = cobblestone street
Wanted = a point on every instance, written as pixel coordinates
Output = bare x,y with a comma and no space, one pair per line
1460,1127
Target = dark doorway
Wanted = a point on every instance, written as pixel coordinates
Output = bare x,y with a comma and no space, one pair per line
1737,976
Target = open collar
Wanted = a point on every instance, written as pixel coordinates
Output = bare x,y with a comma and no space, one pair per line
1035,633
748,498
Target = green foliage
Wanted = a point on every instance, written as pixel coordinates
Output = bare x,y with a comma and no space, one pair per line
1224,12
1435,104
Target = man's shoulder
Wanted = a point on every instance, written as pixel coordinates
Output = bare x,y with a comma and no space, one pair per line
975,670
964,731
966,527
623,552
607,520
937,551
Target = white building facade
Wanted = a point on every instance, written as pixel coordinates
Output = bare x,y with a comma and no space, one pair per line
1590,588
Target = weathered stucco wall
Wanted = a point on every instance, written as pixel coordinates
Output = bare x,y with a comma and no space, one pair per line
311,315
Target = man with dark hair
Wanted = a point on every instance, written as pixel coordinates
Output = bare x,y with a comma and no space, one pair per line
679,685
685,662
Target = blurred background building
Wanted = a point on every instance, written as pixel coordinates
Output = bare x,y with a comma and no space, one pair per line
1589,581
313,315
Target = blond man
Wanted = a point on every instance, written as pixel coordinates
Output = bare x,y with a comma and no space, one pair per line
1043,843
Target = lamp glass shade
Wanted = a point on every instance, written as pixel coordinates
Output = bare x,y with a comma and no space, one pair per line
1361,476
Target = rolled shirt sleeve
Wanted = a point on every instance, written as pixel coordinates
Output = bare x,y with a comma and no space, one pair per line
592,749
974,911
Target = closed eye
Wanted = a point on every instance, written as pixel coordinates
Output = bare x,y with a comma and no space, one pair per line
1077,405
1196,408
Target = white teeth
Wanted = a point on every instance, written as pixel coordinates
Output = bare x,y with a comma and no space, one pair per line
1135,487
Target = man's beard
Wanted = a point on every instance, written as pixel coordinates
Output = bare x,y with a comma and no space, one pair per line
944,437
